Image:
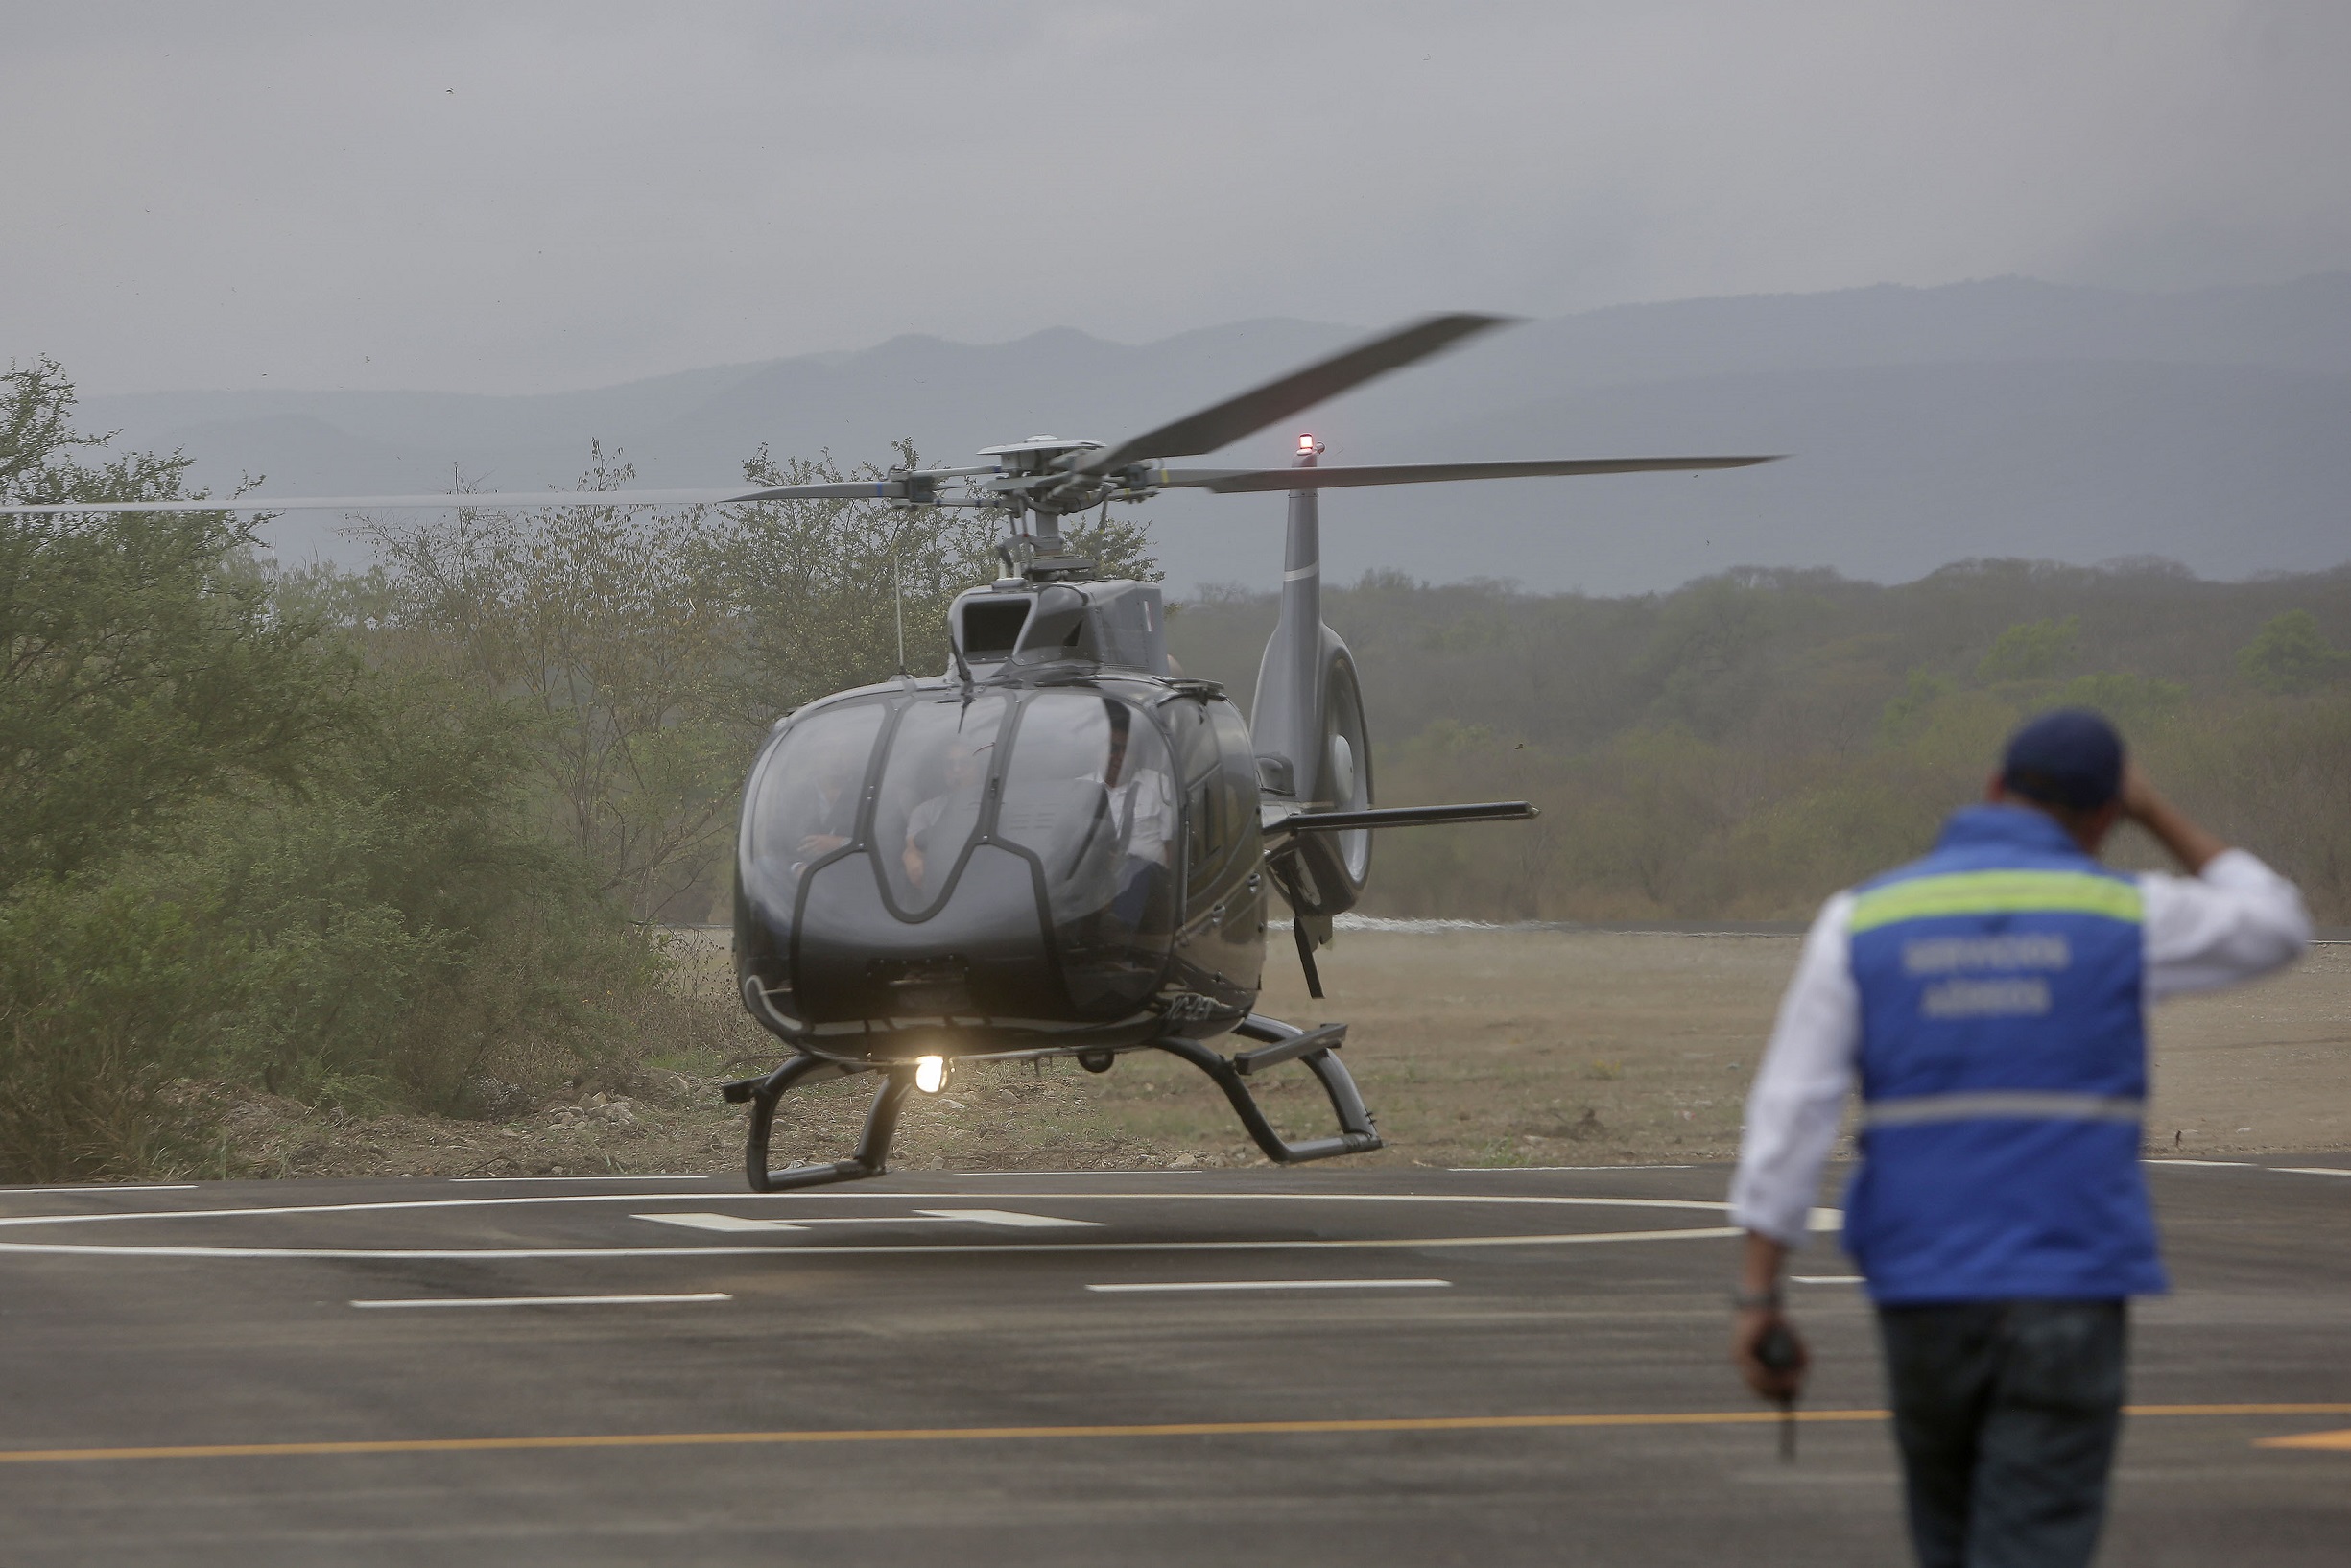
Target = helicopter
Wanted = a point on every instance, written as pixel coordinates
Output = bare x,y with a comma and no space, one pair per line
1060,845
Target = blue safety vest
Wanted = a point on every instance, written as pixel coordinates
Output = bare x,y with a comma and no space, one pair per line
2002,1072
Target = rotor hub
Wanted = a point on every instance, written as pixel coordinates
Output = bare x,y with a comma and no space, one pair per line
1038,455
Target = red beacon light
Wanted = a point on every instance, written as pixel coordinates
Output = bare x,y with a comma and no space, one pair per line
1306,444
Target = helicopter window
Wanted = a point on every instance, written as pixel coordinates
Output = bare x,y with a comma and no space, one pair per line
1127,626
1089,791
1203,830
804,803
1214,815
1195,743
933,785
993,626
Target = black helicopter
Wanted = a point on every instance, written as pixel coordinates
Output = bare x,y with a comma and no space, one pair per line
1058,846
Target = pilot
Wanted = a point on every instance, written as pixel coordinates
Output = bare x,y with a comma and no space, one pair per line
1142,820
937,828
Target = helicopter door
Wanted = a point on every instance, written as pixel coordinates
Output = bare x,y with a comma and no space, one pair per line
1204,821
1219,795
1223,913
1244,900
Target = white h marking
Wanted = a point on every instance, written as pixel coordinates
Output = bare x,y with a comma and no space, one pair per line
737,1224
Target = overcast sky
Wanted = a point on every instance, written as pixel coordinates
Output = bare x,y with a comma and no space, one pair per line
492,197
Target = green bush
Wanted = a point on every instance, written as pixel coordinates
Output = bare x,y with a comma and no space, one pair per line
2291,657
233,849
384,841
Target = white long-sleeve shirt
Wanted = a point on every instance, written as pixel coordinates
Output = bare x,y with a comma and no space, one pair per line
2237,920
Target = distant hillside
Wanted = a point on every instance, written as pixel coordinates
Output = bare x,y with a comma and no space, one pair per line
2006,417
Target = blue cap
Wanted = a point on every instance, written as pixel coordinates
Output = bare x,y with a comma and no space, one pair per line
2071,757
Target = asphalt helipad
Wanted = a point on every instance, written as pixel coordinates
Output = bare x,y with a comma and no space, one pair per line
1320,1365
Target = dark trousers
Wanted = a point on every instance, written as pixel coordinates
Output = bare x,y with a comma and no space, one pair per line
2007,1412
1138,883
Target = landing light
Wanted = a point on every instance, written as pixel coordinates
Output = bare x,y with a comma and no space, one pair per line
930,1073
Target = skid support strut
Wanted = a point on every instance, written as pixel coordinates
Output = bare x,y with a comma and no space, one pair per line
764,1094
1285,1043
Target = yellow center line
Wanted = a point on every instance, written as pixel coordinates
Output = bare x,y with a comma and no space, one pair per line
2336,1441
2236,1410
1019,1433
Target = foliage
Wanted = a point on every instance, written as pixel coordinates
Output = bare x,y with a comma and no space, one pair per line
2032,651
232,849
2291,657
1118,546
375,840
144,665
611,635
1743,745
825,586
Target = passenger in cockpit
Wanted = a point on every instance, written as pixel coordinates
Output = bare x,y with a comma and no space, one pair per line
938,827
807,790
831,805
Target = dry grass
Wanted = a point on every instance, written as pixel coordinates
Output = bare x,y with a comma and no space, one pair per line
1501,1048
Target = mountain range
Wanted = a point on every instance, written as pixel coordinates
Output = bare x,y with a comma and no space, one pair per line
2007,418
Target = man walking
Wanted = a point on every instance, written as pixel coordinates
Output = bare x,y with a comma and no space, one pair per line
1989,1003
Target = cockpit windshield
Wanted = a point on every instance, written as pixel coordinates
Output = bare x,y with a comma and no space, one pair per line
1075,782
934,785
1088,790
804,802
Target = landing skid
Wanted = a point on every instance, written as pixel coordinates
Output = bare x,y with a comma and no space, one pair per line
764,1094
1279,1042
1286,1043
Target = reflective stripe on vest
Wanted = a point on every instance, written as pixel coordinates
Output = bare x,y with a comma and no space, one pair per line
2005,1104
1997,893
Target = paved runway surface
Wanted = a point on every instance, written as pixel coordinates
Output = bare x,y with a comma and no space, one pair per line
1313,1366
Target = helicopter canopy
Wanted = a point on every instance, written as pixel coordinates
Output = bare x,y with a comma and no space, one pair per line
933,799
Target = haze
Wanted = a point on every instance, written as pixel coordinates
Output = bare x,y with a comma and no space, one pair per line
533,198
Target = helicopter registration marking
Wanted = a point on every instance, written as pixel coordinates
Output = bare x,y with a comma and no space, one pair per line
737,1223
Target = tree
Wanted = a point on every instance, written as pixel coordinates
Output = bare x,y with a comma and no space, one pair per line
2288,656
614,635
146,665
233,853
824,585
2032,651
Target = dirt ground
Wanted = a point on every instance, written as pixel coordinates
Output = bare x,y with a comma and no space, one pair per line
1472,1048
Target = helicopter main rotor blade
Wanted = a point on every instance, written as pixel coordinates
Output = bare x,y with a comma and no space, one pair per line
1229,421
886,489
1229,481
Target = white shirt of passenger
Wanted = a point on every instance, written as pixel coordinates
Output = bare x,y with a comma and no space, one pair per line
1142,812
